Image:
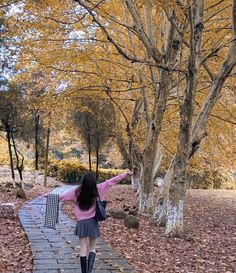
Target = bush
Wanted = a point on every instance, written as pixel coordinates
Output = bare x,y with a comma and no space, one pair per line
71,171
209,178
4,160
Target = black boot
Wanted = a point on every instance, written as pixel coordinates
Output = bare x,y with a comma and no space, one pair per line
83,264
91,259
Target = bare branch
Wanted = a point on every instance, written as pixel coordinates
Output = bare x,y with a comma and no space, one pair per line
66,70
224,119
10,3
218,12
214,5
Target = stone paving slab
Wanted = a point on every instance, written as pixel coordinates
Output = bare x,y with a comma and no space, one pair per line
57,250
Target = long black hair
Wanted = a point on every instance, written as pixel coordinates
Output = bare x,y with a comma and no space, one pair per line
88,192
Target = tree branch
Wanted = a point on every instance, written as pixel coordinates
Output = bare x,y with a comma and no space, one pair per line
224,119
10,3
146,40
118,47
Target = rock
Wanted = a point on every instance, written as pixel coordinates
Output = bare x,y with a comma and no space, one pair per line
9,185
29,186
119,214
126,207
20,193
131,221
133,212
119,199
159,182
110,211
7,210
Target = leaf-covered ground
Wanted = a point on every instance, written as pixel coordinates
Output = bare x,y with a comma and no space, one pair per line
209,219
15,253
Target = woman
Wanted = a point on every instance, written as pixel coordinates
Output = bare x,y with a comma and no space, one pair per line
84,198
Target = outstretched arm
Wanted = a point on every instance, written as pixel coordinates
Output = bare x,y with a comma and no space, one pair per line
68,195
104,186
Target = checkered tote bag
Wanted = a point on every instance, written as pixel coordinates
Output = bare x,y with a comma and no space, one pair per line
52,210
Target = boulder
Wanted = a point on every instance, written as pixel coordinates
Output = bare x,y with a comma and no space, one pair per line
7,210
131,221
119,214
20,193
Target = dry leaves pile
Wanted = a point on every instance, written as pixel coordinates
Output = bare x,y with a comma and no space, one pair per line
209,219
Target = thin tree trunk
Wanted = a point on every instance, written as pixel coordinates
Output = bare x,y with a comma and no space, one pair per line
19,165
47,151
89,151
10,156
97,158
124,153
36,146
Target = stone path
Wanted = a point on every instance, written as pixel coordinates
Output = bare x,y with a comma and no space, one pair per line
57,251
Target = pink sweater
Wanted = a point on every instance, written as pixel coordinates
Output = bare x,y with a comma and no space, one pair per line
102,189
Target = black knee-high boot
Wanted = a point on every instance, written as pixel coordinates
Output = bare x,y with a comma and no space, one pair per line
91,259
83,264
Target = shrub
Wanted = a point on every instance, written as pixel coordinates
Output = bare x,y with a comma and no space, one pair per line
4,159
210,178
71,171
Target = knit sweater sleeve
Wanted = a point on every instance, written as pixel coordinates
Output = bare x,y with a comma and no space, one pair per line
104,186
68,196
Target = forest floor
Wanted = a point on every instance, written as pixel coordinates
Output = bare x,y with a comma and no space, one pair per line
209,220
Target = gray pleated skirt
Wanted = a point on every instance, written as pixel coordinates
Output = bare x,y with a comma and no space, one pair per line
87,228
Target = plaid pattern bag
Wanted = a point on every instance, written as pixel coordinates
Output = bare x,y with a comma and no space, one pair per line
52,210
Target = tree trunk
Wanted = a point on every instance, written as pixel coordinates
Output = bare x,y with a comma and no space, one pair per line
146,188
89,151
175,205
10,156
36,146
135,178
145,201
175,201
151,156
171,204
124,153
46,154
160,211
19,165
97,158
